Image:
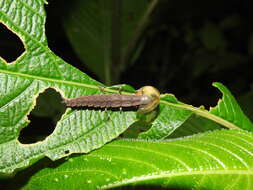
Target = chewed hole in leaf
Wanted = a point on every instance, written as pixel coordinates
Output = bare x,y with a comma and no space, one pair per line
11,47
43,117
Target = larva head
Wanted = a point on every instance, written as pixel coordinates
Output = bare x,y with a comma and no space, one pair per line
151,93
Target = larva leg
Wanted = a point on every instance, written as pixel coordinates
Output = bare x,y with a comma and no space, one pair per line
101,88
120,90
107,115
122,87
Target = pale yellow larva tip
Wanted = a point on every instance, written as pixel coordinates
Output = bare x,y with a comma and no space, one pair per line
154,96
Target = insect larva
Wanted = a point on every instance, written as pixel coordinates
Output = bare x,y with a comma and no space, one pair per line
108,101
146,97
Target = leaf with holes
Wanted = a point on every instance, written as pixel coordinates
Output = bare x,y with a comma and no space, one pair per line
216,160
33,72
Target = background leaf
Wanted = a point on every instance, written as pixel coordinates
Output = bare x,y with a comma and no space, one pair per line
214,160
246,101
194,125
104,34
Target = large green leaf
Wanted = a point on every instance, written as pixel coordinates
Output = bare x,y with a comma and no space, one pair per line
36,70
104,33
214,160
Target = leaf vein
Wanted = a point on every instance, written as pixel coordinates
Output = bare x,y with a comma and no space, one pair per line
188,168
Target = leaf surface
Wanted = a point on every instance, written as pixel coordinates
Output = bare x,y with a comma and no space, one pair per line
194,125
215,160
33,72
103,33
229,109
169,119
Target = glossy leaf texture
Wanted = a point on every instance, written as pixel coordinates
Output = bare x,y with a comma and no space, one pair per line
105,33
37,69
229,109
215,160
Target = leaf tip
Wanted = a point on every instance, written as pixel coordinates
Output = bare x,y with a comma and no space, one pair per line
217,84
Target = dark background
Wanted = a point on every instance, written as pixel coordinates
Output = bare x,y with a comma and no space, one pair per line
188,45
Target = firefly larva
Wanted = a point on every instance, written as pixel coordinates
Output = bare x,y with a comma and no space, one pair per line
147,98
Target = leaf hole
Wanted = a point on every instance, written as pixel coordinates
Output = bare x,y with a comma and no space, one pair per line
66,151
11,47
43,118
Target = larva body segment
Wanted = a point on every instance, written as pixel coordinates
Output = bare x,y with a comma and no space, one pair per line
108,101
147,98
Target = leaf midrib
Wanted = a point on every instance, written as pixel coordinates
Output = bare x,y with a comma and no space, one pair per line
203,113
35,77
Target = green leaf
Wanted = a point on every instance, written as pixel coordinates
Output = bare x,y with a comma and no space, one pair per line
194,125
229,109
104,34
37,69
173,115
227,113
215,160
122,87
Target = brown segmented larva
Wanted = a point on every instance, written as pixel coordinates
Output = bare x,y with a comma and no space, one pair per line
146,97
108,101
